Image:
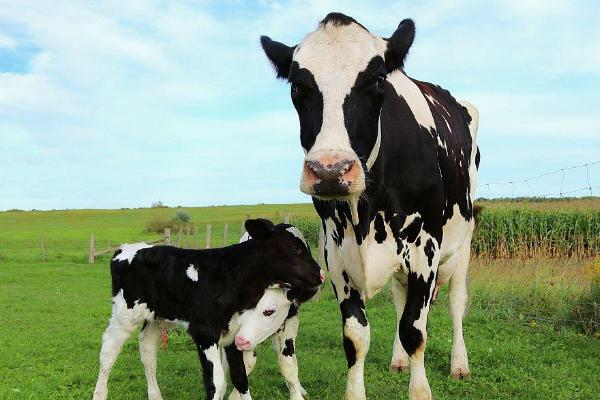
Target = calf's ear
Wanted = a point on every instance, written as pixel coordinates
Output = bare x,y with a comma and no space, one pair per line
399,44
260,228
279,54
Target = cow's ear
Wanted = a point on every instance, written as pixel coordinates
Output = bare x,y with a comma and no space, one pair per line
279,54
259,229
399,44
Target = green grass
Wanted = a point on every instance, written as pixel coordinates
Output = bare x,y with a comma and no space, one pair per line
53,315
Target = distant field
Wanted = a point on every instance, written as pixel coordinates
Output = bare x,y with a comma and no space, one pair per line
66,234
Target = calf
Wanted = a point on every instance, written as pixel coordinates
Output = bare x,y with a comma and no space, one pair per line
234,297
284,342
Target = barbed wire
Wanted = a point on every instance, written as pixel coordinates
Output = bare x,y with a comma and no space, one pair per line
513,183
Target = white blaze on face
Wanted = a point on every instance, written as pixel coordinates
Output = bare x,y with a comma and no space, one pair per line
335,55
128,251
259,323
245,237
296,232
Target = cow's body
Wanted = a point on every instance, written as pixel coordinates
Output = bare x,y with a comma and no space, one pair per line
233,297
391,164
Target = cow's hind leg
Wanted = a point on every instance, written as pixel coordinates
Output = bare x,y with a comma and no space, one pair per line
285,344
123,322
457,303
399,356
149,338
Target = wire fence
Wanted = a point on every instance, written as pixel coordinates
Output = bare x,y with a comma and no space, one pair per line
526,186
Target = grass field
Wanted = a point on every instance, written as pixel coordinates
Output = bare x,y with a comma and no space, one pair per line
522,331
53,316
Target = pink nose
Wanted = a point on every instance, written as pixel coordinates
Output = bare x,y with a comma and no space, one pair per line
322,276
242,343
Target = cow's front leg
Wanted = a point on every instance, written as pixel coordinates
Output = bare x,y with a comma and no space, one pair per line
284,342
421,263
212,369
237,372
357,334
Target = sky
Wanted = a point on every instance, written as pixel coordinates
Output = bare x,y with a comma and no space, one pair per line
123,103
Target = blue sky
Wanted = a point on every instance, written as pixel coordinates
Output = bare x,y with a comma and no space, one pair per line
123,103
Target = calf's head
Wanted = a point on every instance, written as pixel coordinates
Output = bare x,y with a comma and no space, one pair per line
285,256
338,83
259,323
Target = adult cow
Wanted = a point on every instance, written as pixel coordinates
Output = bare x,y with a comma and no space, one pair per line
391,163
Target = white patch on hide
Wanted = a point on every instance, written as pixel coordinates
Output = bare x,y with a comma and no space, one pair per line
414,98
192,273
128,251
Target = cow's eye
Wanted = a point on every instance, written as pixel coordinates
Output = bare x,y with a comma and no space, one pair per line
269,312
381,80
295,250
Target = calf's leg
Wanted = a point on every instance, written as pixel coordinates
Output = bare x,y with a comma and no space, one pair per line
237,372
122,323
212,369
284,342
149,338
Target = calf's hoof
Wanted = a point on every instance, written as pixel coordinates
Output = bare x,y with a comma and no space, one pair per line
461,374
399,369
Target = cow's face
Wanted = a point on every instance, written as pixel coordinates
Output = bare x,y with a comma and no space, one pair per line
338,82
286,258
257,324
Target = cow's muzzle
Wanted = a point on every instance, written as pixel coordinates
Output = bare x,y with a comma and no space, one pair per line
332,176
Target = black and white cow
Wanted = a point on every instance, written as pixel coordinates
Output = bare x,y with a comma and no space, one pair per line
235,297
284,343
391,163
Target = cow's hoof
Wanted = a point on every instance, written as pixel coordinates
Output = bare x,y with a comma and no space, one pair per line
399,369
461,374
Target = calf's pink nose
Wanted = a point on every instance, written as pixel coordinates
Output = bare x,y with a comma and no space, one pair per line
242,343
322,276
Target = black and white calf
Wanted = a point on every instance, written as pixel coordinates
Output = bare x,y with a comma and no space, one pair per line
391,163
235,297
284,342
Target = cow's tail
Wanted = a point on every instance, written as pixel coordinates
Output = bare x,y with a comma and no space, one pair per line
474,163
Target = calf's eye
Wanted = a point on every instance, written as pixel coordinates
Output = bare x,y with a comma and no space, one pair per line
268,313
295,250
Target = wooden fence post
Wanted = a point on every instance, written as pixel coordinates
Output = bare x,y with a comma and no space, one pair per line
179,236
321,247
208,229
286,218
242,230
108,248
91,257
167,236
225,233
43,250
196,236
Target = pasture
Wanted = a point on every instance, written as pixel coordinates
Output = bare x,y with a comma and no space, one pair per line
523,337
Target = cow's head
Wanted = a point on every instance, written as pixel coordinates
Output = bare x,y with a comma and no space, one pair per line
338,82
285,257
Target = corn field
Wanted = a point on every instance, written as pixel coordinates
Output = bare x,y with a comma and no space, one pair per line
526,233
